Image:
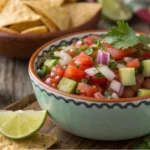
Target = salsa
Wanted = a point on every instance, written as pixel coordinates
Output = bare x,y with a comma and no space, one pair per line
95,67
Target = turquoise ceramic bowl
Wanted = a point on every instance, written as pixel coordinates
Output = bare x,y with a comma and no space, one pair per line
102,119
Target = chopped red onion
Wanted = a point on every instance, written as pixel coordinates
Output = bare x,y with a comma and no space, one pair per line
65,57
108,73
91,71
120,65
78,44
115,86
114,95
121,90
98,95
62,62
127,59
103,57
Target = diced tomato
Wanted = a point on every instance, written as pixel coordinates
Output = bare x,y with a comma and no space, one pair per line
133,63
118,54
145,54
71,53
55,76
86,89
106,45
58,70
98,95
100,81
83,61
74,73
89,39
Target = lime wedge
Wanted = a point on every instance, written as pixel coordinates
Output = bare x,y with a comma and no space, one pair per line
21,124
115,10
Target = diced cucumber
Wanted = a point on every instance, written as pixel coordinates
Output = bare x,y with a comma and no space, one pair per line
50,63
143,92
67,85
146,68
45,69
127,76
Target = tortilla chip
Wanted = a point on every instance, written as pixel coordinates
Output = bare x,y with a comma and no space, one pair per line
58,15
35,142
2,4
36,30
19,27
70,1
56,2
16,12
49,24
4,29
52,3
80,13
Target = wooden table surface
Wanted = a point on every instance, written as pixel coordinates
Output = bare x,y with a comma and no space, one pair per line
14,79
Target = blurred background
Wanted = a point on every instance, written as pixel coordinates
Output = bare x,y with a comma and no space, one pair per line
25,25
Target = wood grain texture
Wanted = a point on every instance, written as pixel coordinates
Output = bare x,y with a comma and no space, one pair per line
14,79
67,140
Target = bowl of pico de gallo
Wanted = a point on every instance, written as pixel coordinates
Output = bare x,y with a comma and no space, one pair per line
96,84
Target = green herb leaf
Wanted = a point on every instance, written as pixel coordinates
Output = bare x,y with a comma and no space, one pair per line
107,94
77,51
40,73
45,69
84,81
98,44
83,47
145,40
99,75
77,91
113,65
90,50
121,36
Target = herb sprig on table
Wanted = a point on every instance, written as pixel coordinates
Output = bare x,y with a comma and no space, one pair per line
124,37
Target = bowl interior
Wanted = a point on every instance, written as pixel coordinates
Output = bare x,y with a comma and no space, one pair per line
43,53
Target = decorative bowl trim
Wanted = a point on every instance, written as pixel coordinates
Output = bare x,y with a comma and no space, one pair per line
97,105
40,53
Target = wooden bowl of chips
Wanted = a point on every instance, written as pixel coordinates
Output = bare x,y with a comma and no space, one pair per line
32,23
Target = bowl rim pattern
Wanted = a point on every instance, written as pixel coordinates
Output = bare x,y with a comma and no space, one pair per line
32,72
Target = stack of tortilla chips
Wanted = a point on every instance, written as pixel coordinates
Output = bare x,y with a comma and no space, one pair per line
42,16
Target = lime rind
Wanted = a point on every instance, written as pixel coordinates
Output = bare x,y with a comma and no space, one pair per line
116,10
21,124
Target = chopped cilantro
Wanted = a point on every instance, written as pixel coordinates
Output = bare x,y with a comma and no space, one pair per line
77,91
121,36
84,80
40,73
98,44
83,47
113,65
107,94
139,70
90,50
77,51
99,75
45,69
52,56
145,40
